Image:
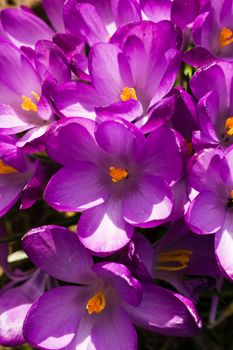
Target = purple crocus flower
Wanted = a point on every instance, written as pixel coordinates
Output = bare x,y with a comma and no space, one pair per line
99,313
118,181
97,20
211,85
213,29
24,103
19,176
128,76
211,210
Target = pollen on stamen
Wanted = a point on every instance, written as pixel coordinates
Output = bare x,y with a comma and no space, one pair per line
128,93
174,260
28,104
6,169
97,303
117,174
229,126
225,37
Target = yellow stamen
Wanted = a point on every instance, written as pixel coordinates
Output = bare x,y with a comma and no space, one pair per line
97,303
180,257
229,126
28,104
231,195
225,37
117,174
6,169
128,93
37,97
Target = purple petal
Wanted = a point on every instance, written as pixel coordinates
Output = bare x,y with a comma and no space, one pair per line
184,12
103,230
198,56
23,27
206,213
224,246
54,11
128,110
72,140
106,60
165,312
163,157
150,200
77,99
49,58
13,309
58,251
76,188
127,142
84,19
52,321
114,331
120,278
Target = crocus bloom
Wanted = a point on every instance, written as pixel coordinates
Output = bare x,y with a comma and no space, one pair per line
24,102
213,29
211,210
100,313
19,176
118,181
97,20
211,85
128,76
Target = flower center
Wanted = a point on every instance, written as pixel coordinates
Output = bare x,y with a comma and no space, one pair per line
178,258
117,174
229,126
128,93
6,169
225,37
97,303
28,104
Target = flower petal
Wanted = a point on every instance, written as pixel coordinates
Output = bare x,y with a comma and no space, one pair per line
120,278
149,200
206,213
58,252
103,230
52,320
165,312
76,188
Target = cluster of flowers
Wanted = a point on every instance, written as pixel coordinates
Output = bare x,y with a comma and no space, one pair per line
94,92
